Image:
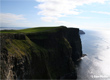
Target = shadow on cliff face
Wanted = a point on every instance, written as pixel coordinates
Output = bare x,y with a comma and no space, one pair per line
46,55
72,35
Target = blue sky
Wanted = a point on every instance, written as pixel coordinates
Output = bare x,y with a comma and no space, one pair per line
84,14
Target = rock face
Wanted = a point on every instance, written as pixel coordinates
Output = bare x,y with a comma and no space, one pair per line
75,42
45,55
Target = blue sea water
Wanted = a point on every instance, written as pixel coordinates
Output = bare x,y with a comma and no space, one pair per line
96,65
12,28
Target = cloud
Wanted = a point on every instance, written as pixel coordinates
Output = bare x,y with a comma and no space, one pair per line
62,8
10,16
13,20
101,12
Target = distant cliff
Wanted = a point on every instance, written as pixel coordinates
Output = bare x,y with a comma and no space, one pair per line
81,32
48,54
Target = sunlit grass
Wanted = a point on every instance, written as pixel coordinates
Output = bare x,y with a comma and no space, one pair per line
31,30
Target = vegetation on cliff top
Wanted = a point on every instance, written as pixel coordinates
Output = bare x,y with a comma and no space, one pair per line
20,44
32,30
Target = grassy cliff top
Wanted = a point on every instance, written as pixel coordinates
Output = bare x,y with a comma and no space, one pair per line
33,30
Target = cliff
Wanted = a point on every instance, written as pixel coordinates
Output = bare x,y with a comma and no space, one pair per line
81,32
48,53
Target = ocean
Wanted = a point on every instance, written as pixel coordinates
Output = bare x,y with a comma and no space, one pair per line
12,28
96,65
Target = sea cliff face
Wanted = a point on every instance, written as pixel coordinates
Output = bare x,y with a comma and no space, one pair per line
50,54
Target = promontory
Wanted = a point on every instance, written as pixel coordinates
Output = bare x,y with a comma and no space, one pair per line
39,53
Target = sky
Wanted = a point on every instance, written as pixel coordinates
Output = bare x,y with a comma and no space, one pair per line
83,14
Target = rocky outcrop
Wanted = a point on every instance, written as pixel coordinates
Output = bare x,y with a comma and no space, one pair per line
81,32
44,55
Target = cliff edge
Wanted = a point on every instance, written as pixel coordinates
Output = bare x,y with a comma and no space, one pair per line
48,53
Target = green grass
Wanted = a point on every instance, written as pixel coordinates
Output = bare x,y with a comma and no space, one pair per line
18,47
21,48
32,30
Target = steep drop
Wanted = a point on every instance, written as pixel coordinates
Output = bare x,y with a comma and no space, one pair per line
50,54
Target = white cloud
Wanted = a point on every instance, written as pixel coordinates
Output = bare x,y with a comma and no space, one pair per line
62,8
13,20
10,16
101,12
